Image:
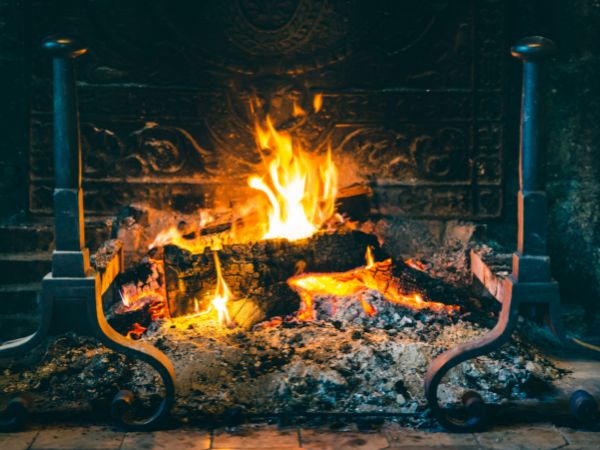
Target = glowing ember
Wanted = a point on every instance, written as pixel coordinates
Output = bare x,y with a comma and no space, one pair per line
416,264
136,331
300,187
375,276
132,301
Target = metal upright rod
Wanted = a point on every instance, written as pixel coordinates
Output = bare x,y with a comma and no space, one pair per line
532,215
70,257
67,147
529,152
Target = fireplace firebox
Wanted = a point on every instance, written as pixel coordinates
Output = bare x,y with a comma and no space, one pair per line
260,194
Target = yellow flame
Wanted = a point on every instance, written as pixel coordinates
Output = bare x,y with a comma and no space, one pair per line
317,102
222,293
299,186
369,258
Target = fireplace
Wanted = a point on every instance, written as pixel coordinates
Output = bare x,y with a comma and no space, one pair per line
295,195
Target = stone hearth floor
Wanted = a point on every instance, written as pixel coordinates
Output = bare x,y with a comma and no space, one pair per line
268,437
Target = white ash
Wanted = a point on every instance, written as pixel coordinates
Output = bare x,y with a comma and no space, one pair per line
294,368
349,310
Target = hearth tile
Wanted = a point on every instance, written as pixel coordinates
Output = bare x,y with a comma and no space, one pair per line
406,438
253,438
167,440
89,438
583,440
17,441
327,440
530,438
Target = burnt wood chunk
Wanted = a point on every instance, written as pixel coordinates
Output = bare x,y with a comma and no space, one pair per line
257,273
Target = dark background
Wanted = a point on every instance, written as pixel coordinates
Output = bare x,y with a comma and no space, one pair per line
431,80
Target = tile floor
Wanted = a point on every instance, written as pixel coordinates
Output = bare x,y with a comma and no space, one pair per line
269,437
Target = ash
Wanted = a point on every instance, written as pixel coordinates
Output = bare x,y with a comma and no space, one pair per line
345,363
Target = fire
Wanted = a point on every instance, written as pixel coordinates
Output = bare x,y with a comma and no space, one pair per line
220,298
318,102
369,258
222,294
154,298
374,276
300,187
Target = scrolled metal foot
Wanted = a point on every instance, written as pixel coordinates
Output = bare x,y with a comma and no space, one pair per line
584,408
123,402
16,413
475,417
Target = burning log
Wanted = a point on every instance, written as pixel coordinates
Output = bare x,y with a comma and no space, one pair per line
257,272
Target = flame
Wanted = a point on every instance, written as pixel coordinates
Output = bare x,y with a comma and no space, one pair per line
317,102
299,186
222,294
374,276
298,111
369,258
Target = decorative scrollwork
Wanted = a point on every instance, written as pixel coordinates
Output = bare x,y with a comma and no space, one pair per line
151,150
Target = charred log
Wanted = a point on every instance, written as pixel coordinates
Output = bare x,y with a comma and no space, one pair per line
257,272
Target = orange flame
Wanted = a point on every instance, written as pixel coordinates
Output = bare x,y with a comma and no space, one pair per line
375,276
299,186
298,111
318,102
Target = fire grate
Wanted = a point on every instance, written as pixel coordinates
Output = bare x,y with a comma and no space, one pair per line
74,290
71,297
530,281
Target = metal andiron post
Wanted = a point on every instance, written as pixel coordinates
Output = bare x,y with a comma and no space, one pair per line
530,281
71,298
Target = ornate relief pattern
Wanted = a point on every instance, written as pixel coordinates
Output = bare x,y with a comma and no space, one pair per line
412,97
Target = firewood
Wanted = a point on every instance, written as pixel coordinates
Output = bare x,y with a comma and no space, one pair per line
258,272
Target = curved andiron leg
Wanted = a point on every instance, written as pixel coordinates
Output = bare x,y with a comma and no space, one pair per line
123,402
476,414
15,414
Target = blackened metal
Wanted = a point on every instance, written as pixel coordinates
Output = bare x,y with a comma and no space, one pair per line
584,407
530,282
67,146
532,205
413,93
71,298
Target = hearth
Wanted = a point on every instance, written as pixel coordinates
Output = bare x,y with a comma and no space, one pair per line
264,271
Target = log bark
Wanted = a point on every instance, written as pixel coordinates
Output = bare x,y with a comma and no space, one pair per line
257,273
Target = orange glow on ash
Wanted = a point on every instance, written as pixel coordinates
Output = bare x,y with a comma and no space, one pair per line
300,187
375,276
